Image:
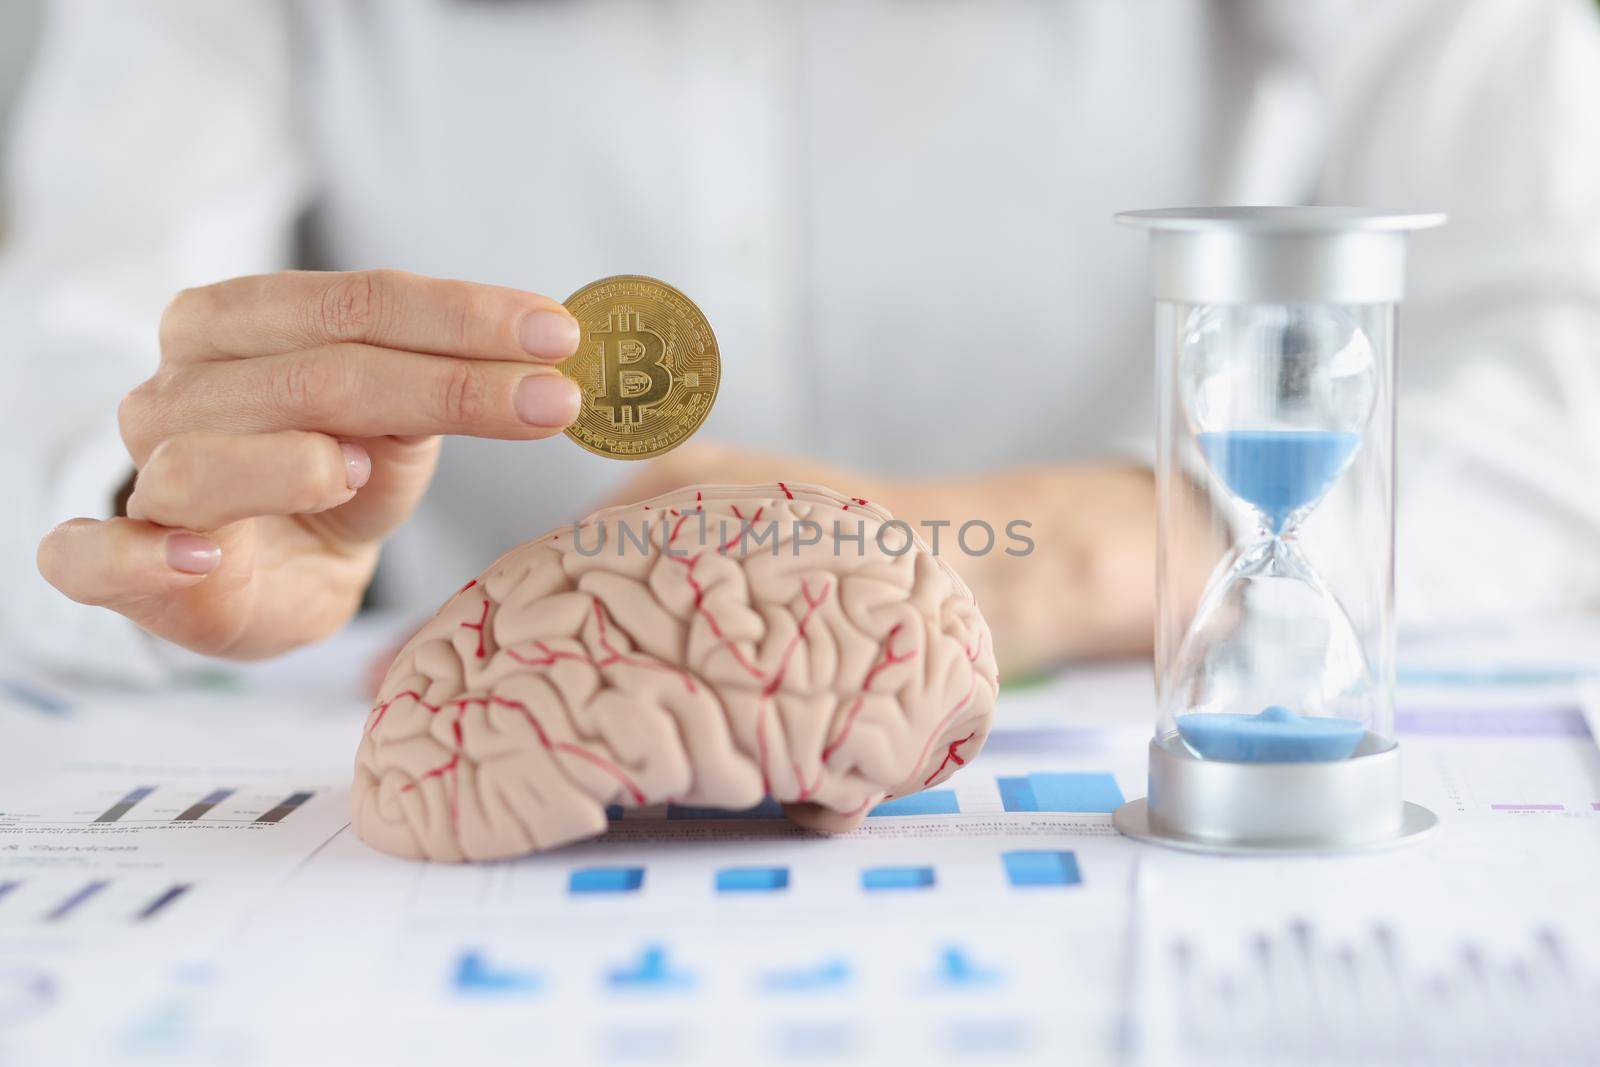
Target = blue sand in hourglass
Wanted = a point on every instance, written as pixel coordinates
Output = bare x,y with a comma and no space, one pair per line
1278,472
1276,735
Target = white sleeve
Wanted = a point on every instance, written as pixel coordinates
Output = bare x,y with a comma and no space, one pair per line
1487,109
153,149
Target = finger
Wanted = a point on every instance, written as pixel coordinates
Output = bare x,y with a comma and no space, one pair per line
204,481
293,310
351,391
132,567
401,471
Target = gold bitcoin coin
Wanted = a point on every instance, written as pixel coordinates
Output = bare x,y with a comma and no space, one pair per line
647,365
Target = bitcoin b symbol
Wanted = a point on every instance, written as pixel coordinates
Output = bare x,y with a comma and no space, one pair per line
642,394
631,364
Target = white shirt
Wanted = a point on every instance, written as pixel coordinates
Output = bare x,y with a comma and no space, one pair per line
897,216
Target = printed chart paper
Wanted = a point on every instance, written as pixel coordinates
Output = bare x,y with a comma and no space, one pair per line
178,886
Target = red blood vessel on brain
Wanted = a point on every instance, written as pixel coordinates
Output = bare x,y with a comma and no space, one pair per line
711,647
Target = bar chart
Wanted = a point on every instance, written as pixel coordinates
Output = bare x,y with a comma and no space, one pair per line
1035,792
1022,869
475,975
653,971
1061,792
1036,868
957,968
1477,782
162,902
119,854
878,879
751,879
830,974
76,900
589,881
1482,765
125,804
56,900
655,968
199,808
153,804
927,802
283,809
1297,992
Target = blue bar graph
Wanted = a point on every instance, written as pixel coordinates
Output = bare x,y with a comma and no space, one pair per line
927,802
1036,867
954,968
830,974
34,697
1086,791
204,804
475,975
72,903
162,902
123,806
874,878
605,880
767,809
653,972
284,808
752,879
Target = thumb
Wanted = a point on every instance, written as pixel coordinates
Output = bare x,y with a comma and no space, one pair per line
134,568
402,467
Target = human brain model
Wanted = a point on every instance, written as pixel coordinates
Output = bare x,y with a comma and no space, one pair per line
711,647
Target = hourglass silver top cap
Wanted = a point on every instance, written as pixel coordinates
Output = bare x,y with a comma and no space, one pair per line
1258,255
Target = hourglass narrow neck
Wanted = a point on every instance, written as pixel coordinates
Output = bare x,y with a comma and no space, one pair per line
1279,473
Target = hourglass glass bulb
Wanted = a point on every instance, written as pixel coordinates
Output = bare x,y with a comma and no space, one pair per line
1278,397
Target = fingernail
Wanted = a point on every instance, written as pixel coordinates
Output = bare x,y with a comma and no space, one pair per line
547,400
192,554
549,334
357,465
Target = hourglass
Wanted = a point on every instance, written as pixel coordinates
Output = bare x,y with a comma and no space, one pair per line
1278,398
1275,482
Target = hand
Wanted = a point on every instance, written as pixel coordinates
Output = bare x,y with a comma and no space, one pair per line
291,425
1087,586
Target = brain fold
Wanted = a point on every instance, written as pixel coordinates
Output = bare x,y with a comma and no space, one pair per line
711,647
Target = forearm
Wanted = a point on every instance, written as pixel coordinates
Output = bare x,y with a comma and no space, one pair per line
1071,570
1083,583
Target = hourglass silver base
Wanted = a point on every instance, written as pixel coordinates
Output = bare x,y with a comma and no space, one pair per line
1217,806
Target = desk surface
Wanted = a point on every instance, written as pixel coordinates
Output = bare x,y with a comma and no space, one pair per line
178,885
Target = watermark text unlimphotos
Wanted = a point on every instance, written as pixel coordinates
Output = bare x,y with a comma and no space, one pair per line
894,537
